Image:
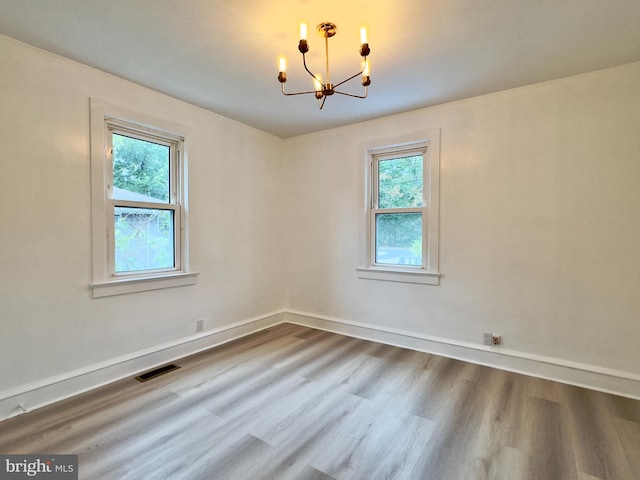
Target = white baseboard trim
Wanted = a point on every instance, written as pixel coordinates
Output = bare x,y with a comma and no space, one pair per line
49,390
607,380
44,392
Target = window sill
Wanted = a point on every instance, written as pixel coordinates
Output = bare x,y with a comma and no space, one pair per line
388,274
123,286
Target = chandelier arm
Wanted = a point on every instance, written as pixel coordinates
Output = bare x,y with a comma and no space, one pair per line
295,93
350,78
304,62
321,104
366,91
299,93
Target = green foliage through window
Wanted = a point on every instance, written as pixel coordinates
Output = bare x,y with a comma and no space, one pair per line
144,239
141,167
400,182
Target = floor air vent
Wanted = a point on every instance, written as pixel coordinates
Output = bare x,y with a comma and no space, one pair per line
157,372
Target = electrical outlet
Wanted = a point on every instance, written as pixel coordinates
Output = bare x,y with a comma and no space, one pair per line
491,339
199,325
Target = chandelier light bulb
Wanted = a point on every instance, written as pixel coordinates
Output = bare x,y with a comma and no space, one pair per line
282,64
303,31
363,35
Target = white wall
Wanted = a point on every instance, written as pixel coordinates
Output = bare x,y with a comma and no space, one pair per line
539,226
49,324
539,231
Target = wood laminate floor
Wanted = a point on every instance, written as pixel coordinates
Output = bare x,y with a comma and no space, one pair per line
295,403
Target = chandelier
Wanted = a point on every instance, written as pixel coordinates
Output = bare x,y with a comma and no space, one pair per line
323,87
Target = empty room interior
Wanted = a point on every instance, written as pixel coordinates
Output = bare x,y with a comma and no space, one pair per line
320,240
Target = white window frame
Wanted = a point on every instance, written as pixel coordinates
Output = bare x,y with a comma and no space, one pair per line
428,145
176,147
107,119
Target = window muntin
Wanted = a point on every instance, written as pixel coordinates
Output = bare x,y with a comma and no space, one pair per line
398,212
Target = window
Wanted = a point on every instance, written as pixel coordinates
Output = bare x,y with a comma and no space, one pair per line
398,209
144,199
402,212
139,203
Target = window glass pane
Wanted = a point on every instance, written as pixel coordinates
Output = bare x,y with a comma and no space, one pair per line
400,182
399,238
144,239
140,170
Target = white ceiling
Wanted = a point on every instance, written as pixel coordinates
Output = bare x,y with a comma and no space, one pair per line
221,54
